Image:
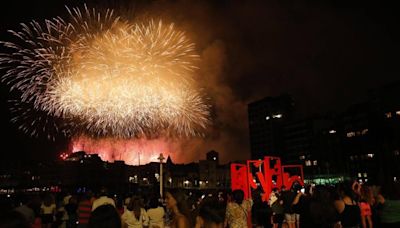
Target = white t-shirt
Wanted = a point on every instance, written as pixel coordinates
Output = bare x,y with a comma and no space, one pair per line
103,200
156,217
48,209
128,218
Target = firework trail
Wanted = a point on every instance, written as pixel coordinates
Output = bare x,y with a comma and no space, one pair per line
102,76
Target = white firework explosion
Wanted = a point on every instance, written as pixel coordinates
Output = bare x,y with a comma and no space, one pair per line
104,76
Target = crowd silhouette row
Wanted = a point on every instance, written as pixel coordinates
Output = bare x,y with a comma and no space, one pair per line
345,205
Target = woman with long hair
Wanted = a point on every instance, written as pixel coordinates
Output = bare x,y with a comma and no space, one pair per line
177,204
135,216
347,207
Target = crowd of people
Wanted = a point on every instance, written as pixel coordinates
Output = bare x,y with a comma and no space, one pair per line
345,205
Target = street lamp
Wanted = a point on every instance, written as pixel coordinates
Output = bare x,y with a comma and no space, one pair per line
161,158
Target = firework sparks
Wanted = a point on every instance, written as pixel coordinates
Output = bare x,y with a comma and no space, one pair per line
106,77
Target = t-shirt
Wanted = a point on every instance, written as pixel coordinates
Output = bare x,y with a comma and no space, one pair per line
48,209
156,216
103,200
237,215
128,218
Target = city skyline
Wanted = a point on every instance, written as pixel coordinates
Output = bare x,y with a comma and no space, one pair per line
325,55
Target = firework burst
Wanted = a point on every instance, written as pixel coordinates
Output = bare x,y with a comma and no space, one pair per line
103,76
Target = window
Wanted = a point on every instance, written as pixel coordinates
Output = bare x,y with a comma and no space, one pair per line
302,157
267,117
388,115
332,131
315,162
370,155
359,175
308,163
364,131
278,116
398,113
351,134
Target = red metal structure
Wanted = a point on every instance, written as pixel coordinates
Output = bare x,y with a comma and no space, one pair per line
269,174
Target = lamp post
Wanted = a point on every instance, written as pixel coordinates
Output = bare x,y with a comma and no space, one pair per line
161,158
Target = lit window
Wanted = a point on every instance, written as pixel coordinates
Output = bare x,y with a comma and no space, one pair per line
267,117
277,116
370,155
366,179
364,131
315,162
396,153
144,179
388,115
395,179
332,131
365,174
302,157
351,134
359,175
308,163
398,113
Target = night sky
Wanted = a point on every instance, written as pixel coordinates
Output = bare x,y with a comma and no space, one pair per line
326,54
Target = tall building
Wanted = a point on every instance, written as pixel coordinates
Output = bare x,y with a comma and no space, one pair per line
267,118
362,142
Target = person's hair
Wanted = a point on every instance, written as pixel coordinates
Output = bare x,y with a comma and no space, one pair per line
212,211
103,191
181,203
13,219
344,189
296,186
104,216
154,203
135,205
322,210
48,200
238,196
366,194
87,196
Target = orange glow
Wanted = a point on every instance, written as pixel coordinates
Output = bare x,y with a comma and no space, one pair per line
132,152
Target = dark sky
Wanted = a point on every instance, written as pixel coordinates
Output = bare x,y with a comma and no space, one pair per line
326,54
